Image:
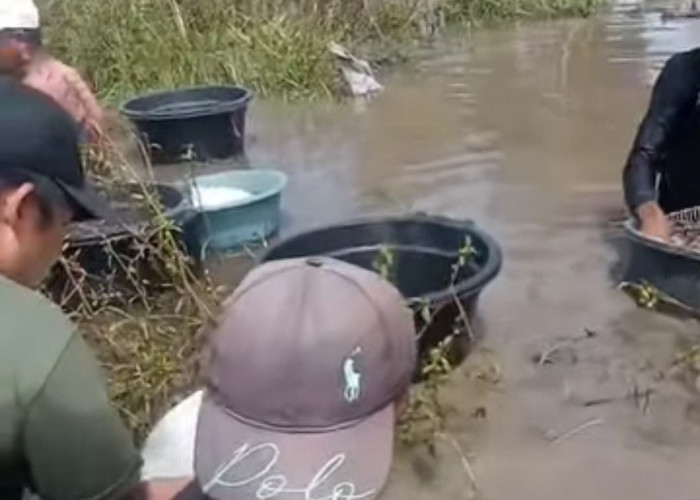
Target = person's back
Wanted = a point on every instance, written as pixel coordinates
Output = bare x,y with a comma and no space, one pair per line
31,340
44,415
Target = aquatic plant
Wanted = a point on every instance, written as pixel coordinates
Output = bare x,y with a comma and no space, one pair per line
648,296
425,418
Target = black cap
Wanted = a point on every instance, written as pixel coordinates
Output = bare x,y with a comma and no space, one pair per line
39,138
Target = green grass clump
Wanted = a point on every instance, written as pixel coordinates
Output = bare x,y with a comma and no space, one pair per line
129,46
274,47
477,12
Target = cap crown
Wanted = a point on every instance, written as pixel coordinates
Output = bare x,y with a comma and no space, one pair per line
311,345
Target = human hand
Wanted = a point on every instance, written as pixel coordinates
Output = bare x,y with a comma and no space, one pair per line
654,222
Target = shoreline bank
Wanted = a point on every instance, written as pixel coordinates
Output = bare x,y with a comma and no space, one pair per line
275,49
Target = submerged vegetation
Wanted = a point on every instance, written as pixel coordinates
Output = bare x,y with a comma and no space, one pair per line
425,417
145,309
274,47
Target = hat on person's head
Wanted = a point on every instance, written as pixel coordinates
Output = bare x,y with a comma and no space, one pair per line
40,139
307,360
18,14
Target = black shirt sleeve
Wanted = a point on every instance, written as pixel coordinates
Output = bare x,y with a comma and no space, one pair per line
674,95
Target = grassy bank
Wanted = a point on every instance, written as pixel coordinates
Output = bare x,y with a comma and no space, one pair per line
480,12
274,47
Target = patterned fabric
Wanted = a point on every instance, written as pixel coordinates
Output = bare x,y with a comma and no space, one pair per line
67,87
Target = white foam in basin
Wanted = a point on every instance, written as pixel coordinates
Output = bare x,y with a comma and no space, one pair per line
216,197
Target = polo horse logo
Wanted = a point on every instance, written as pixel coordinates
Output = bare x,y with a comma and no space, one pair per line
352,378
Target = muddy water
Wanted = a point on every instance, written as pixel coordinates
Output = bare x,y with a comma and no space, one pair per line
525,130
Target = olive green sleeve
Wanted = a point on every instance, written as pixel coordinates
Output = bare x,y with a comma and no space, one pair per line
75,444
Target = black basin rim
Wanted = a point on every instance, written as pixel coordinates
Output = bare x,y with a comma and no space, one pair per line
462,289
636,236
148,96
181,213
224,107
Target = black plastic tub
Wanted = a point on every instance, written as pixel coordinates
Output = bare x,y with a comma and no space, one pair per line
194,124
113,263
673,270
426,251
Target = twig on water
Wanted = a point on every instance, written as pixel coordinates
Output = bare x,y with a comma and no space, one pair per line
473,487
545,357
642,398
600,401
576,430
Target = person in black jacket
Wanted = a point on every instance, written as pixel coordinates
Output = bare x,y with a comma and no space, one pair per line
662,173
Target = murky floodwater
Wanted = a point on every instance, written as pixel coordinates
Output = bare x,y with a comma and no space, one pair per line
524,130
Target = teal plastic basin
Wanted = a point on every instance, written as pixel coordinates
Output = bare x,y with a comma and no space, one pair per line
228,226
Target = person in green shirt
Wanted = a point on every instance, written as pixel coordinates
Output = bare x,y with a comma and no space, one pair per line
60,438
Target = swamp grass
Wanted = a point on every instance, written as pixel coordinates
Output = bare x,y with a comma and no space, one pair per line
273,47
486,12
146,318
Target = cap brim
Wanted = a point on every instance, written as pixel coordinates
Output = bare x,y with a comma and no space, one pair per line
88,203
235,460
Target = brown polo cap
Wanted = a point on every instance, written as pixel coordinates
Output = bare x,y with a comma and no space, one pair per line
307,360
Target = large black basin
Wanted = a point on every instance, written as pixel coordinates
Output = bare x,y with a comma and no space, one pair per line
426,251
114,262
672,269
194,124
